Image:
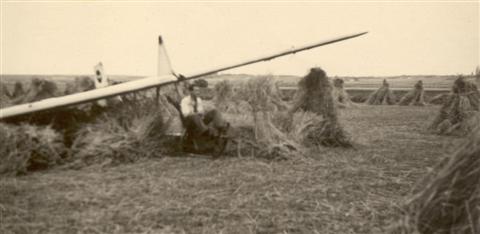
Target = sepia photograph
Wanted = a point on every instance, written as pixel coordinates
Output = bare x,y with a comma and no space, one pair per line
176,117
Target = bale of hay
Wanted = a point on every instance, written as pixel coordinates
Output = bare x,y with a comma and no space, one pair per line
448,199
459,111
125,135
314,95
39,89
383,96
415,97
18,90
27,148
342,99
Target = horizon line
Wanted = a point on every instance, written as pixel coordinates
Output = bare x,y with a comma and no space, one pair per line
249,74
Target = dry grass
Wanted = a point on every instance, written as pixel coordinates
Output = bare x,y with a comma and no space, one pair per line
27,148
5,95
133,131
226,99
448,199
439,99
18,90
315,95
341,96
302,127
79,84
107,136
415,97
273,132
262,94
39,89
262,136
329,191
459,113
383,96
332,190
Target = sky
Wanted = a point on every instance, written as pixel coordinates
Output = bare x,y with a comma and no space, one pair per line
405,38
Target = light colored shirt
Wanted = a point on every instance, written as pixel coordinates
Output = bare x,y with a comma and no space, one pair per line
187,106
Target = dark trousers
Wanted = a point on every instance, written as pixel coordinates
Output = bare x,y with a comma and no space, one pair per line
198,124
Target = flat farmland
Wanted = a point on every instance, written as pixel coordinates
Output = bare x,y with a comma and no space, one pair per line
327,190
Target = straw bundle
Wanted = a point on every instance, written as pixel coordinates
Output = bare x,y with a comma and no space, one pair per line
304,127
27,148
383,96
262,96
39,89
18,90
4,95
314,94
342,98
458,113
176,93
64,120
414,97
123,135
439,99
79,84
224,96
449,199
226,99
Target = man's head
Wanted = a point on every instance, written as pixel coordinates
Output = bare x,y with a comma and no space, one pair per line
194,90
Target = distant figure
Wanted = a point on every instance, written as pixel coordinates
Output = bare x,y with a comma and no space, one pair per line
198,122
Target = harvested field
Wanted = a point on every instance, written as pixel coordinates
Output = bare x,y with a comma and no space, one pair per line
448,199
327,191
246,118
